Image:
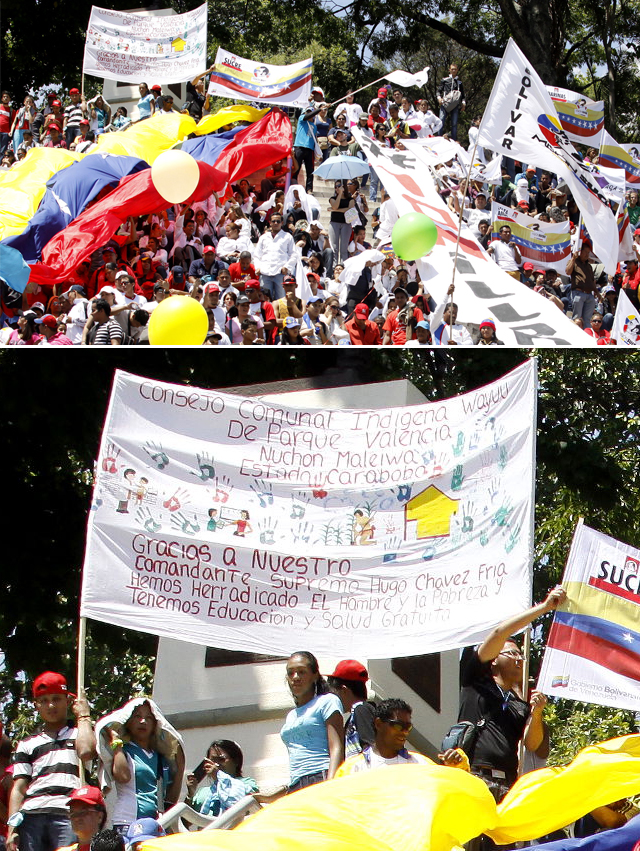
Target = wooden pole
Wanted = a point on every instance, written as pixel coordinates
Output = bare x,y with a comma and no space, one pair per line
82,643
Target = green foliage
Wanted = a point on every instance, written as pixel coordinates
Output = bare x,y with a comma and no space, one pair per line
574,725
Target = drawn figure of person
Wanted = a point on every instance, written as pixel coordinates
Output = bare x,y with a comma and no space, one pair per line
141,490
129,491
242,525
363,528
214,523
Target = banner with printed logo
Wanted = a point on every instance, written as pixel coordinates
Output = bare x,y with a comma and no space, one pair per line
239,78
593,649
136,47
522,317
582,119
547,246
255,525
626,322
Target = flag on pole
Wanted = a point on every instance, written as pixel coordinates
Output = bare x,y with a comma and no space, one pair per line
520,121
626,323
582,119
404,78
546,245
627,157
625,237
593,648
238,78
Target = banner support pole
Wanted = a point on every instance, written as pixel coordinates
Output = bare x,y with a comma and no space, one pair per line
82,646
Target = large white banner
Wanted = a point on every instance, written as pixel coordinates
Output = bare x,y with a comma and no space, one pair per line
520,120
522,317
251,525
239,78
593,649
136,47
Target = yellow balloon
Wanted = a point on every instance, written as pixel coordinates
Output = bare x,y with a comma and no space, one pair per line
178,321
175,175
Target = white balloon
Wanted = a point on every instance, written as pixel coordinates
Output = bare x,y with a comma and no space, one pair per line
175,175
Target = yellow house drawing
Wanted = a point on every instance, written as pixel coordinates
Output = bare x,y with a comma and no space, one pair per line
178,44
432,511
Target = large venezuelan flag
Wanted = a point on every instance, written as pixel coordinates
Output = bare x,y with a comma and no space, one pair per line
593,649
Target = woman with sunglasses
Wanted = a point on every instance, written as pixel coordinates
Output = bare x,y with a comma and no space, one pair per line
335,321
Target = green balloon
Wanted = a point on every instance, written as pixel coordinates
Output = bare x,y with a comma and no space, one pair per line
413,236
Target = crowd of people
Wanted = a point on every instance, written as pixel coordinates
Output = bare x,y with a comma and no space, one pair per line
272,264
333,730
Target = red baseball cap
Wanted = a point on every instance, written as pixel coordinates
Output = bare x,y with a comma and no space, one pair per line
51,322
528,267
84,121
362,311
252,284
315,276
74,91
156,88
55,103
208,249
89,795
523,204
50,683
53,125
382,93
211,288
350,669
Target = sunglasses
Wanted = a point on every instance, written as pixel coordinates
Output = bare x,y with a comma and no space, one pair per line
405,727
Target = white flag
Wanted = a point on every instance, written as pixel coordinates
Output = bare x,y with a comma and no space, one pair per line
626,324
582,118
404,78
520,121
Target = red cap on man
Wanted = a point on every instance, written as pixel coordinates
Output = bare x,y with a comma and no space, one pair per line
50,683
252,284
361,311
74,91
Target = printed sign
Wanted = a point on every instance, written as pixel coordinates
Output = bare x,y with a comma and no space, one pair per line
253,525
238,78
593,649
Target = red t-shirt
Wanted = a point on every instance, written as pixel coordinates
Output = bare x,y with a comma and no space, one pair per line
268,315
238,275
370,336
398,331
631,282
6,117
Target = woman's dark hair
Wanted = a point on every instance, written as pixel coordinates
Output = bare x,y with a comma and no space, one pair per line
321,684
29,329
318,257
233,751
356,686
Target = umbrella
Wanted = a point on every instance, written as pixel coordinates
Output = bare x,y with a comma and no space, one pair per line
341,167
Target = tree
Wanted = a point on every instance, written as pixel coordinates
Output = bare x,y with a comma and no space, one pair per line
587,447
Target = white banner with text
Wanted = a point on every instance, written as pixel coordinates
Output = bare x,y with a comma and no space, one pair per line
251,525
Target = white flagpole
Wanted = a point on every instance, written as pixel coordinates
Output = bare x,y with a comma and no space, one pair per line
82,643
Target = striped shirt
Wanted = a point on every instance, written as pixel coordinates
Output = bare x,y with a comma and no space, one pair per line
74,114
107,332
50,764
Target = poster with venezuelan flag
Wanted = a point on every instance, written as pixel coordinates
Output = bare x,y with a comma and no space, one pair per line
627,157
242,79
547,246
593,649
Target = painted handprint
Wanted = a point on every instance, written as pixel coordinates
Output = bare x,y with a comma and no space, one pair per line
267,529
157,454
110,458
223,488
457,478
206,471
174,502
188,527
264,492
146,519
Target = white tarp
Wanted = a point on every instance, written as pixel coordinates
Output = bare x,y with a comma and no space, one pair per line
135,47
593,649
522,317
249,525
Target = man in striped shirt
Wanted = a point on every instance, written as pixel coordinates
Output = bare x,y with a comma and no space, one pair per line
47,768
73,115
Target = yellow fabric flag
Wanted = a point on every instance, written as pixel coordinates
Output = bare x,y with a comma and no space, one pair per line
147,139
22,188
229,115
543,801
399,808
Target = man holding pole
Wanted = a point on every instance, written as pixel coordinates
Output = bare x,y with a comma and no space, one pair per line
494,678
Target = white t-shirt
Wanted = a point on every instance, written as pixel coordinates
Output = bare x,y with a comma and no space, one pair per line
504,256
352,111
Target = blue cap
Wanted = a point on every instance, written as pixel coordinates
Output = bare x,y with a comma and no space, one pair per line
143,829
424,324
292,322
